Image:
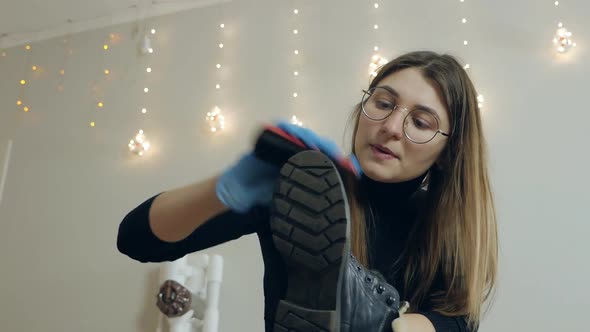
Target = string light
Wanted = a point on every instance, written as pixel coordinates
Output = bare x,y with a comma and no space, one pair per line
153,31
106,71
26,109
28,47
296,121
376,26
34,68
215,120
562,39
376,5
295,11
376,62
146,90
105,47
217,86
148,69
218,66
222,25
296,52
143,110
23,82
100,104
140,145
480,101
92,124
19,102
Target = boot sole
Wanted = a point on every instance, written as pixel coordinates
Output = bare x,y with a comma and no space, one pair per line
309,223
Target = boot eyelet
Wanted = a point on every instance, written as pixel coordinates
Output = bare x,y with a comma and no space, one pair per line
380,289
358,268
368,279
390,300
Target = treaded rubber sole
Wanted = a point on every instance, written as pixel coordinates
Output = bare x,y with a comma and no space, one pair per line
309,223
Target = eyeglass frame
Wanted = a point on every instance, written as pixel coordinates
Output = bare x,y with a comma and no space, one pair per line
396,106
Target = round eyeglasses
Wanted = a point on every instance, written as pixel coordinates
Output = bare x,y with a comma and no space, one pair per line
420,126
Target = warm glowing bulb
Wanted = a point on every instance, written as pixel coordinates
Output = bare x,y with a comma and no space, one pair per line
296,11
376,5
218,66
296,73
295,31
220,45
146,90
153,31
296,52
465,42
61,72
112,36
28,47
26,109
557,3
148,69
150,50
376,48
467,66
23,82
295,95
100,104
375,26
106,71
222,25
217,86
105,47
34,67
464,20
3,54
92,124
143,110
19,102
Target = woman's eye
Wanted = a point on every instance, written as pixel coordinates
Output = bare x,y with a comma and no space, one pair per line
384,104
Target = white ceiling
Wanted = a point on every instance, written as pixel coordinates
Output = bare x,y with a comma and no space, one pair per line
33,20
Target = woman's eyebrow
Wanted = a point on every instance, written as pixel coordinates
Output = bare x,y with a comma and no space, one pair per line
416,107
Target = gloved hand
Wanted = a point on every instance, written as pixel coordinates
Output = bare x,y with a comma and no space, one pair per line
247,183
315,142
251,181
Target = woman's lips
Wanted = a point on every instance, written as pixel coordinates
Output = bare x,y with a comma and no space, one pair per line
383,153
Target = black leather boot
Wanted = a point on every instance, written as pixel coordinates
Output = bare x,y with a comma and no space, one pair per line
327,289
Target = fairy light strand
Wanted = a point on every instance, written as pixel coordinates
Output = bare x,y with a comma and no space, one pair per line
296,69
377,60
215,119
562,40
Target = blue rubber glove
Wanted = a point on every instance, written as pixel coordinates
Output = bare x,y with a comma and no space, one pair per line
315,142
249,182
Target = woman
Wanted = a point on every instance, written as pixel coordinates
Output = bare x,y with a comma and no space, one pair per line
422,213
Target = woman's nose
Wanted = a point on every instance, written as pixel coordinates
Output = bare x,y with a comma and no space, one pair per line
394,125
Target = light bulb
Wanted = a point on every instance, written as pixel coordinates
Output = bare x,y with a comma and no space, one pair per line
464,20
295,31
144,110
376,5
19,102
148,69
23,82
295,11
62,72
557,3
105,47
217,86
222,25
26,109
218,66
375,26
296,73
376,48
100,104
295,95
28,47
92,124
467,66
150,50
34,67
296,52
220,45
146,90
106,71
153,31
3,54
465,42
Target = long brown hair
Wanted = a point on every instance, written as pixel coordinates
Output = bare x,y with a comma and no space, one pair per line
455,233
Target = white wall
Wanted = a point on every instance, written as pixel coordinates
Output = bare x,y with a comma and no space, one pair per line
70,185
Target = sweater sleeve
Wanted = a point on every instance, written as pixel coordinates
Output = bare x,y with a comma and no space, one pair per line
136,239
443,323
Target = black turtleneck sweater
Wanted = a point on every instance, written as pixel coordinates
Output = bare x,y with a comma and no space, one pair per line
394,209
